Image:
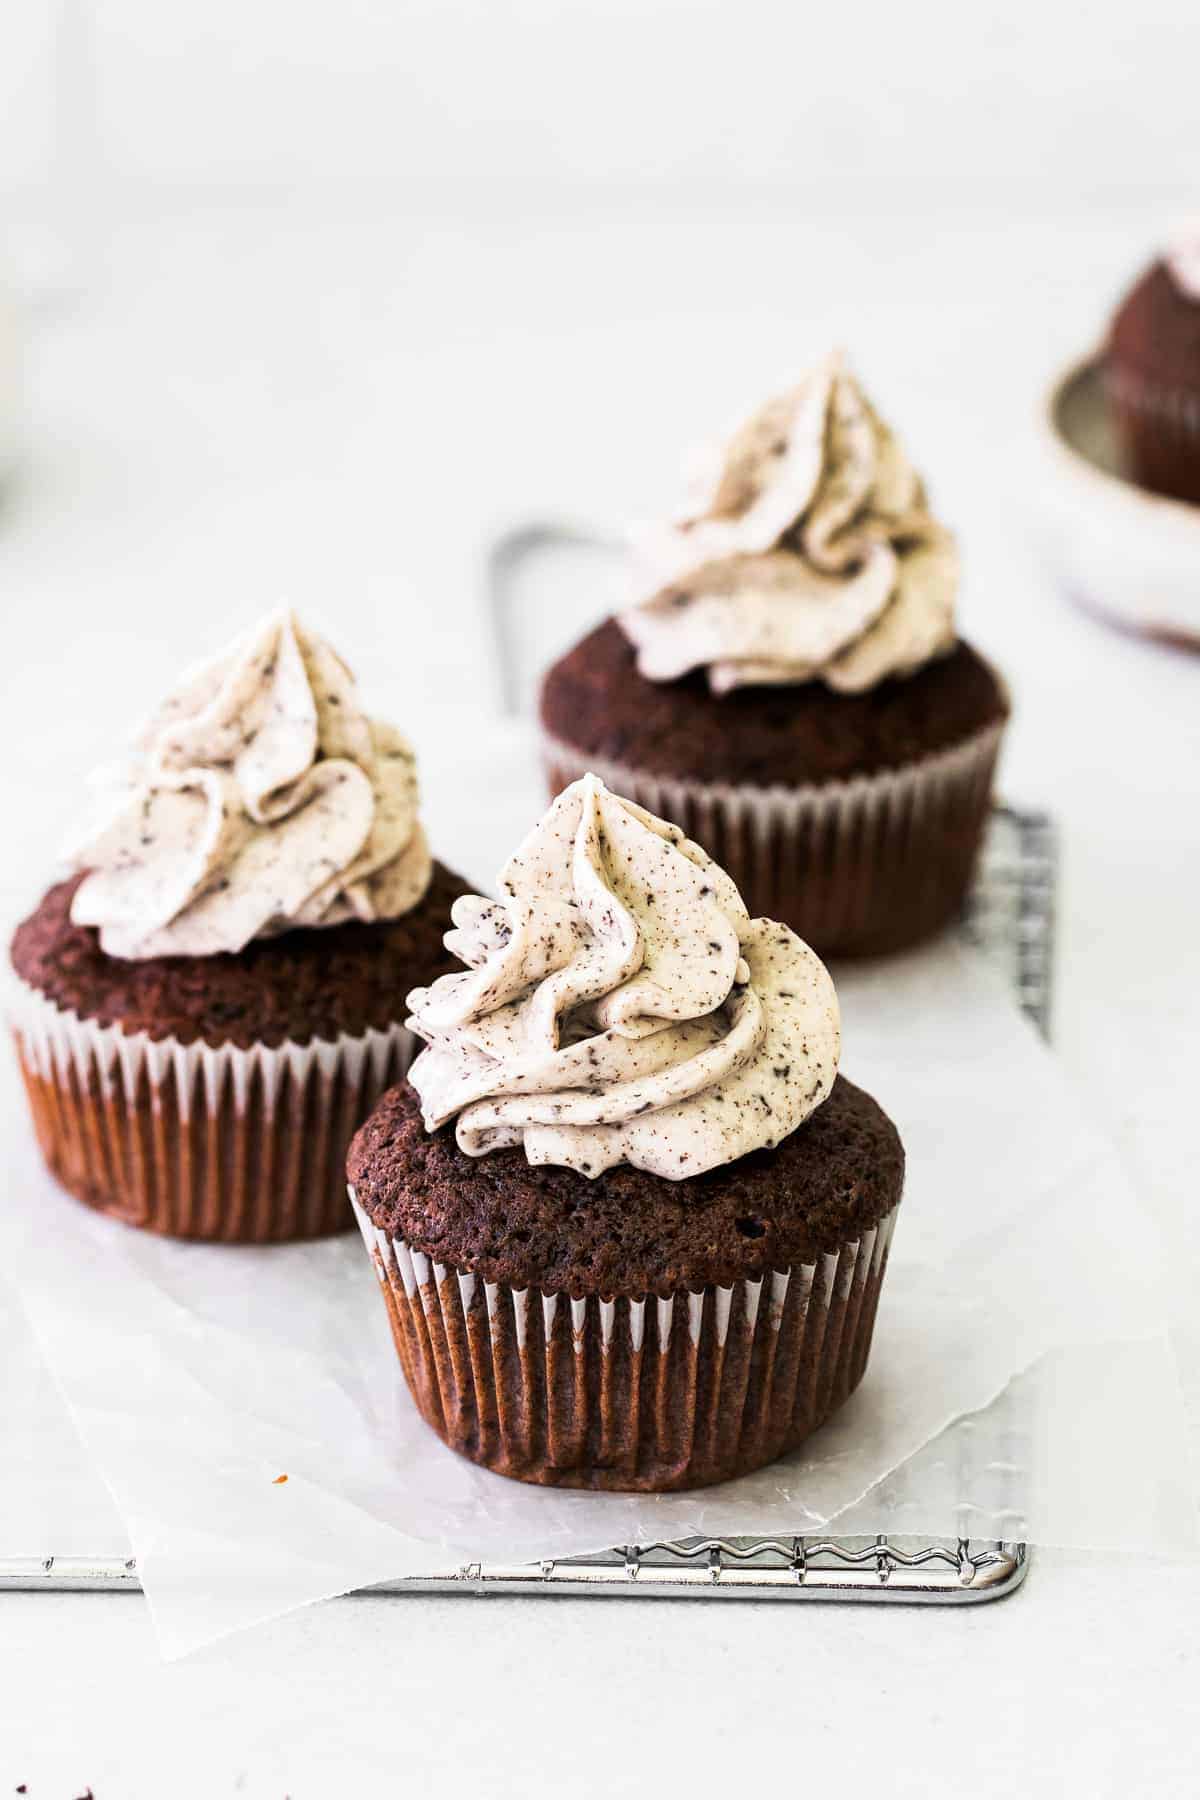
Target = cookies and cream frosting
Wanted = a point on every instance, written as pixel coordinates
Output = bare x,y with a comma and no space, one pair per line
809,554
260,797
620,1005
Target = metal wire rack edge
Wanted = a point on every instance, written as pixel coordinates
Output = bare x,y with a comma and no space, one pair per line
814,1568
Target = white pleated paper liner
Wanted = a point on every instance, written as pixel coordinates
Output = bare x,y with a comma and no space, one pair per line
857,867
1158,438
641,1393
200,1140
1177,408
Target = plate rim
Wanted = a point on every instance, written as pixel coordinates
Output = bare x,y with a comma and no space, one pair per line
1072,455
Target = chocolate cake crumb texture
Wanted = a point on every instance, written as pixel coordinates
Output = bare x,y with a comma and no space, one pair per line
595,701
628,1232
1157,331
302,985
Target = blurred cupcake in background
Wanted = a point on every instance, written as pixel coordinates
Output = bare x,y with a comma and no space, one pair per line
790,686
1152,368
210,1004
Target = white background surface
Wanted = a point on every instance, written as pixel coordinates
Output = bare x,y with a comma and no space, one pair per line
1001,105
353,293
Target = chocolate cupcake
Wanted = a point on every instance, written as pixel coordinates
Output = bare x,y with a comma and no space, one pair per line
629,1222
1152,367
792,689
208,1007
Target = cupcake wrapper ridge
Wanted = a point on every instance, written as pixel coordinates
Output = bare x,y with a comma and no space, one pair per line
1176,407
1159,429
201,1141
857,867
630,1394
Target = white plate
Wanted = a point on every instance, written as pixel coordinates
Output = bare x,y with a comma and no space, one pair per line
1120,550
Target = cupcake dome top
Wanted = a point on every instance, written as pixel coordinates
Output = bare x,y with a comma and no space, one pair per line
1155,333
808,554
260,797
619,1005
1183,259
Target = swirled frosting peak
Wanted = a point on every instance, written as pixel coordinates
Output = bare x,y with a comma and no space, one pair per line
809,554
260,797
619,1005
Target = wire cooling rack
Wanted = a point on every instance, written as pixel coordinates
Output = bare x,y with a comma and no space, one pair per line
1009,919
1009,916
921,1572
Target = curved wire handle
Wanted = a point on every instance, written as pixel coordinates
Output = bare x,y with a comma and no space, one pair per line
507,559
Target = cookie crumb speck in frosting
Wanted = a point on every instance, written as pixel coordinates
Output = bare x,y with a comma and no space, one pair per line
618,1004
260,797
809,554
